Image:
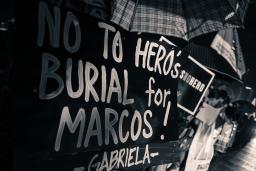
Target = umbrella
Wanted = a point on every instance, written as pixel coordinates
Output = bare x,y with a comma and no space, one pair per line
226,44
212,60
180,18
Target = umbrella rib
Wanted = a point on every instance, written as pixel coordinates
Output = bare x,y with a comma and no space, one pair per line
188,31
235,9
236,59
185,16
133,15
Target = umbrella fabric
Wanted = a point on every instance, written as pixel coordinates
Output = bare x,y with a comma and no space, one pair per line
153,16
180,18
239,8
226,43
211,59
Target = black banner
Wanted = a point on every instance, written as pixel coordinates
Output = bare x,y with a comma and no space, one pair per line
102,98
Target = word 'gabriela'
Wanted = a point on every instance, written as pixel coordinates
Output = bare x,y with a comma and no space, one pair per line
122,158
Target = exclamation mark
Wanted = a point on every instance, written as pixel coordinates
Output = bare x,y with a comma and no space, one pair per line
166,117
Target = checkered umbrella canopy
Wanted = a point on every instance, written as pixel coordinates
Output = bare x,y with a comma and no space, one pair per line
226,43
185,19
211,59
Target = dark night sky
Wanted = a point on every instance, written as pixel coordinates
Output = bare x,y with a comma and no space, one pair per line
6,9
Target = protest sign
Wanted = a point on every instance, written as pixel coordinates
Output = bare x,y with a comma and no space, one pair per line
194,81
98,99
102,98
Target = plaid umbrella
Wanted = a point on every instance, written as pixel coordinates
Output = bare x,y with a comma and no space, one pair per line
226,43
212,60
180,18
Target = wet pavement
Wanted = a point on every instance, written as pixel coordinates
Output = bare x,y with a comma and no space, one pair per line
238,160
